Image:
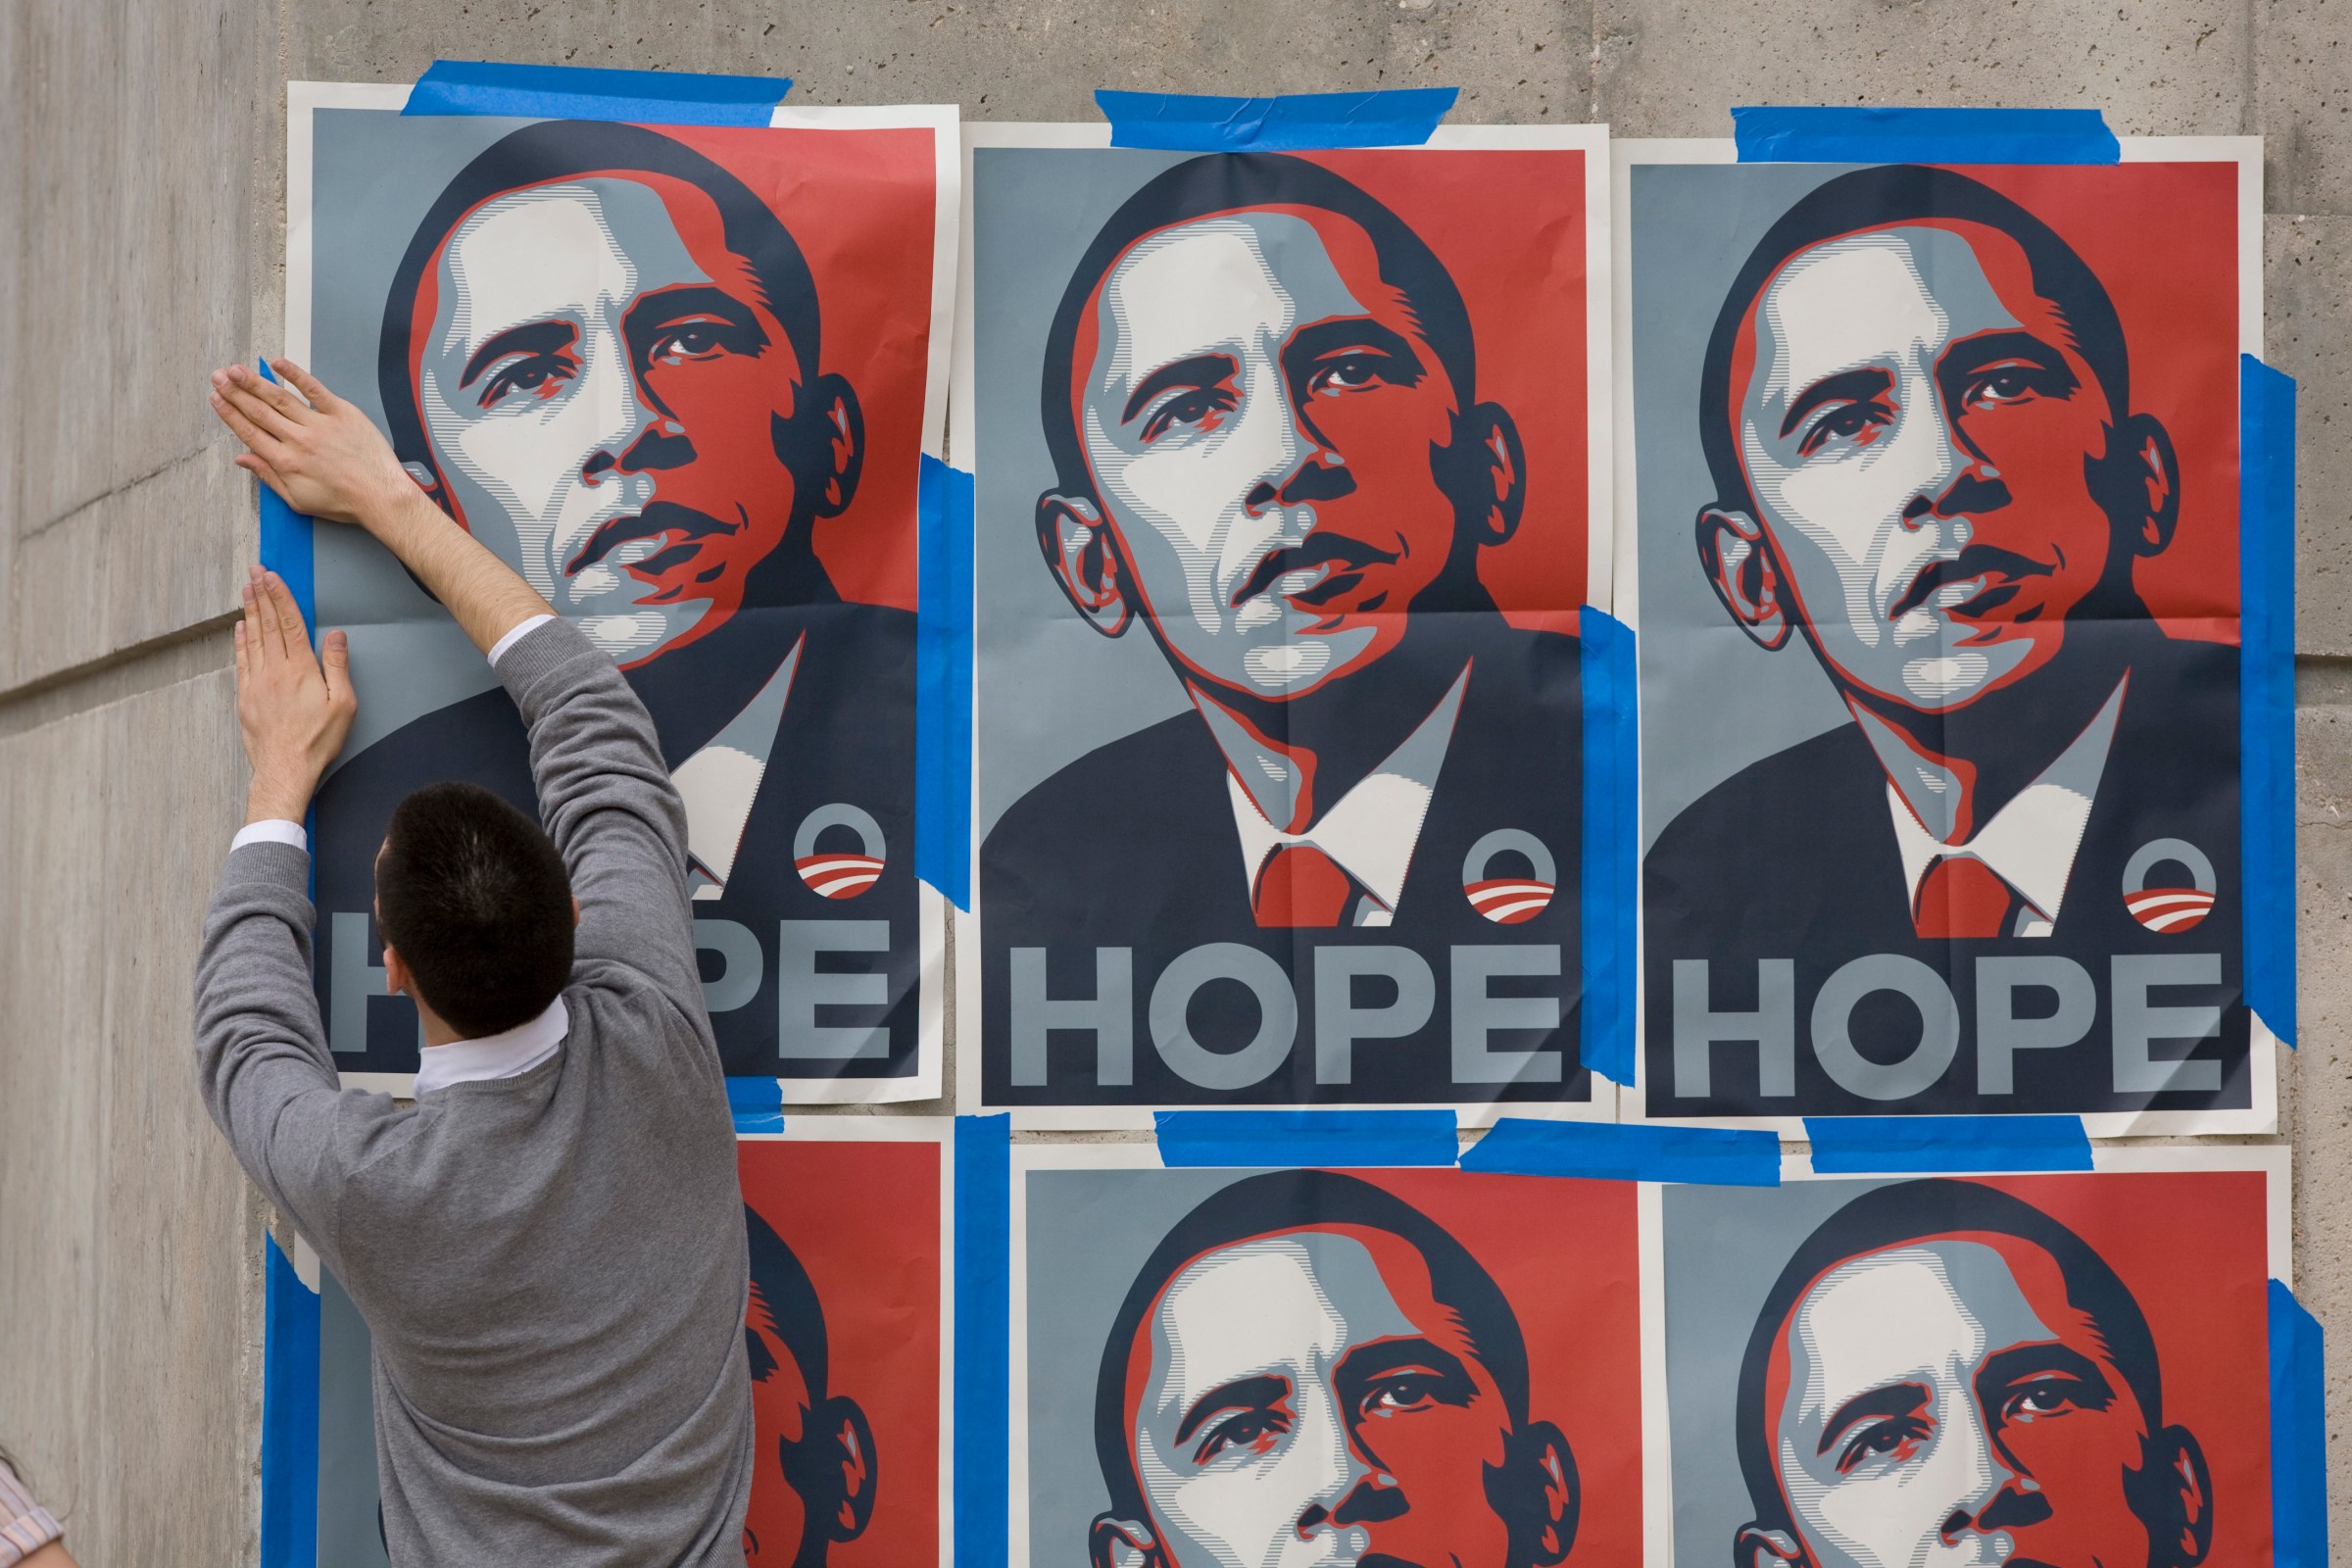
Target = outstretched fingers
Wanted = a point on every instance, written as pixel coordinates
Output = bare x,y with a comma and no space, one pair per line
293,636
303,382
269,407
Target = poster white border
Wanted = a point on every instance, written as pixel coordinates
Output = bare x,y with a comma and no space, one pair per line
2263,1046
303,98
1599,535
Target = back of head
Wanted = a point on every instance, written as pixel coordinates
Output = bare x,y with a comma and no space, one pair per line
475,900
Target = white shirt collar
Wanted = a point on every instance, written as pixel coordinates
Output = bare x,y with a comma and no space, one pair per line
501,1056
1370,831
2030,843
719,782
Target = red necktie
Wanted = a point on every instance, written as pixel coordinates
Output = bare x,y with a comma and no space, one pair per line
1962,898
1300,885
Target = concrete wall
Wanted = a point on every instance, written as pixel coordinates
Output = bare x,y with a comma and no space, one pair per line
141,209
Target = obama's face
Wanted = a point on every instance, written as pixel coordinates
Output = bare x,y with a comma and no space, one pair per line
1942,1405
1920,432
1302,1399
1262,419
609,397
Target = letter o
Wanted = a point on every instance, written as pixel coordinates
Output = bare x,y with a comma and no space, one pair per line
1277,1016
1939,1027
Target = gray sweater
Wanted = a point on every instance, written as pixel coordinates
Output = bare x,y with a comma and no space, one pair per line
552,1265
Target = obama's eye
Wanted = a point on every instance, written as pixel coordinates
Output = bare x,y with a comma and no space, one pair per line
2045,1397
694,340
1336,373
541,373
1398,1393
1855,423
1196,408
1896,1438
1252,1430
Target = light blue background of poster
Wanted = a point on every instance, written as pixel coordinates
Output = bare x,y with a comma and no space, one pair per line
1051,687
1723,1248
1090,1233
1712,702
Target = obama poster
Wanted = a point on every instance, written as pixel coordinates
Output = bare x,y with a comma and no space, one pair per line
683,378
1290,485
1931,512
2061,1369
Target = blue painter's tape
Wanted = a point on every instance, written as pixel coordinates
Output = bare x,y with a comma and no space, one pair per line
286,547
1848,1144
289,1414
1633,1151
758,1104
1611,826
1306,1138
943,682
1403,116
983,1340
1776,133
582,92
2265,670
2299,1434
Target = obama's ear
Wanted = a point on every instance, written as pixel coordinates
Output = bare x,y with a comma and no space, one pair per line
1084,559
832,1467
1755,1547
1741,568
1122,1543
2173,1495
1536,1494
823,443
1484,471
2137,483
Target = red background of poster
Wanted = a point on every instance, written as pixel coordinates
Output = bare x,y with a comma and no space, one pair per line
1509,226
2192,1247
863,1219
1566,1256
861,205
2163,238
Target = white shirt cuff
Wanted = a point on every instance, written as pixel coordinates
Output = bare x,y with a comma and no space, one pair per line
272,830
497,650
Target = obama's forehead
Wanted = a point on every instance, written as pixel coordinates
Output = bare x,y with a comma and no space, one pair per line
1237,282
1895,295
571,249
1289,1303
1926,1311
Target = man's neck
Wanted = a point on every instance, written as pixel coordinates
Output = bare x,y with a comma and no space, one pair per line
1957,768
1329,740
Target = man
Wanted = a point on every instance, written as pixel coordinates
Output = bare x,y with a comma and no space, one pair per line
1944,1375
1917,411
1260,394
1308,1370
817,1465
601,356
559,1371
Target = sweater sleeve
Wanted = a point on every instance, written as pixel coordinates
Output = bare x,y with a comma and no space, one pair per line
609,804
25,1527
261,1059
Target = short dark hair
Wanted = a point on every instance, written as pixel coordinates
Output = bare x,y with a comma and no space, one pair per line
781,1286
1917,1211
1887,197
579,149
475,900
1279,1202
1225,183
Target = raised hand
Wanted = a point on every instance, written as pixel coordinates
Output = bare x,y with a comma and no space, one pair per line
319,453
294,709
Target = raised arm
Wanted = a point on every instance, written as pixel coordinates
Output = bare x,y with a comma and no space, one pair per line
262,1057
605,794
326,459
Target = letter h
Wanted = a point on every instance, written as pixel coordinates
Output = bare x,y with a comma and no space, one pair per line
1772,1026
1109,1013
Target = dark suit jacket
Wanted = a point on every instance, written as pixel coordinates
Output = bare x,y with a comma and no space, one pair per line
1134,846
847,734
1796,858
